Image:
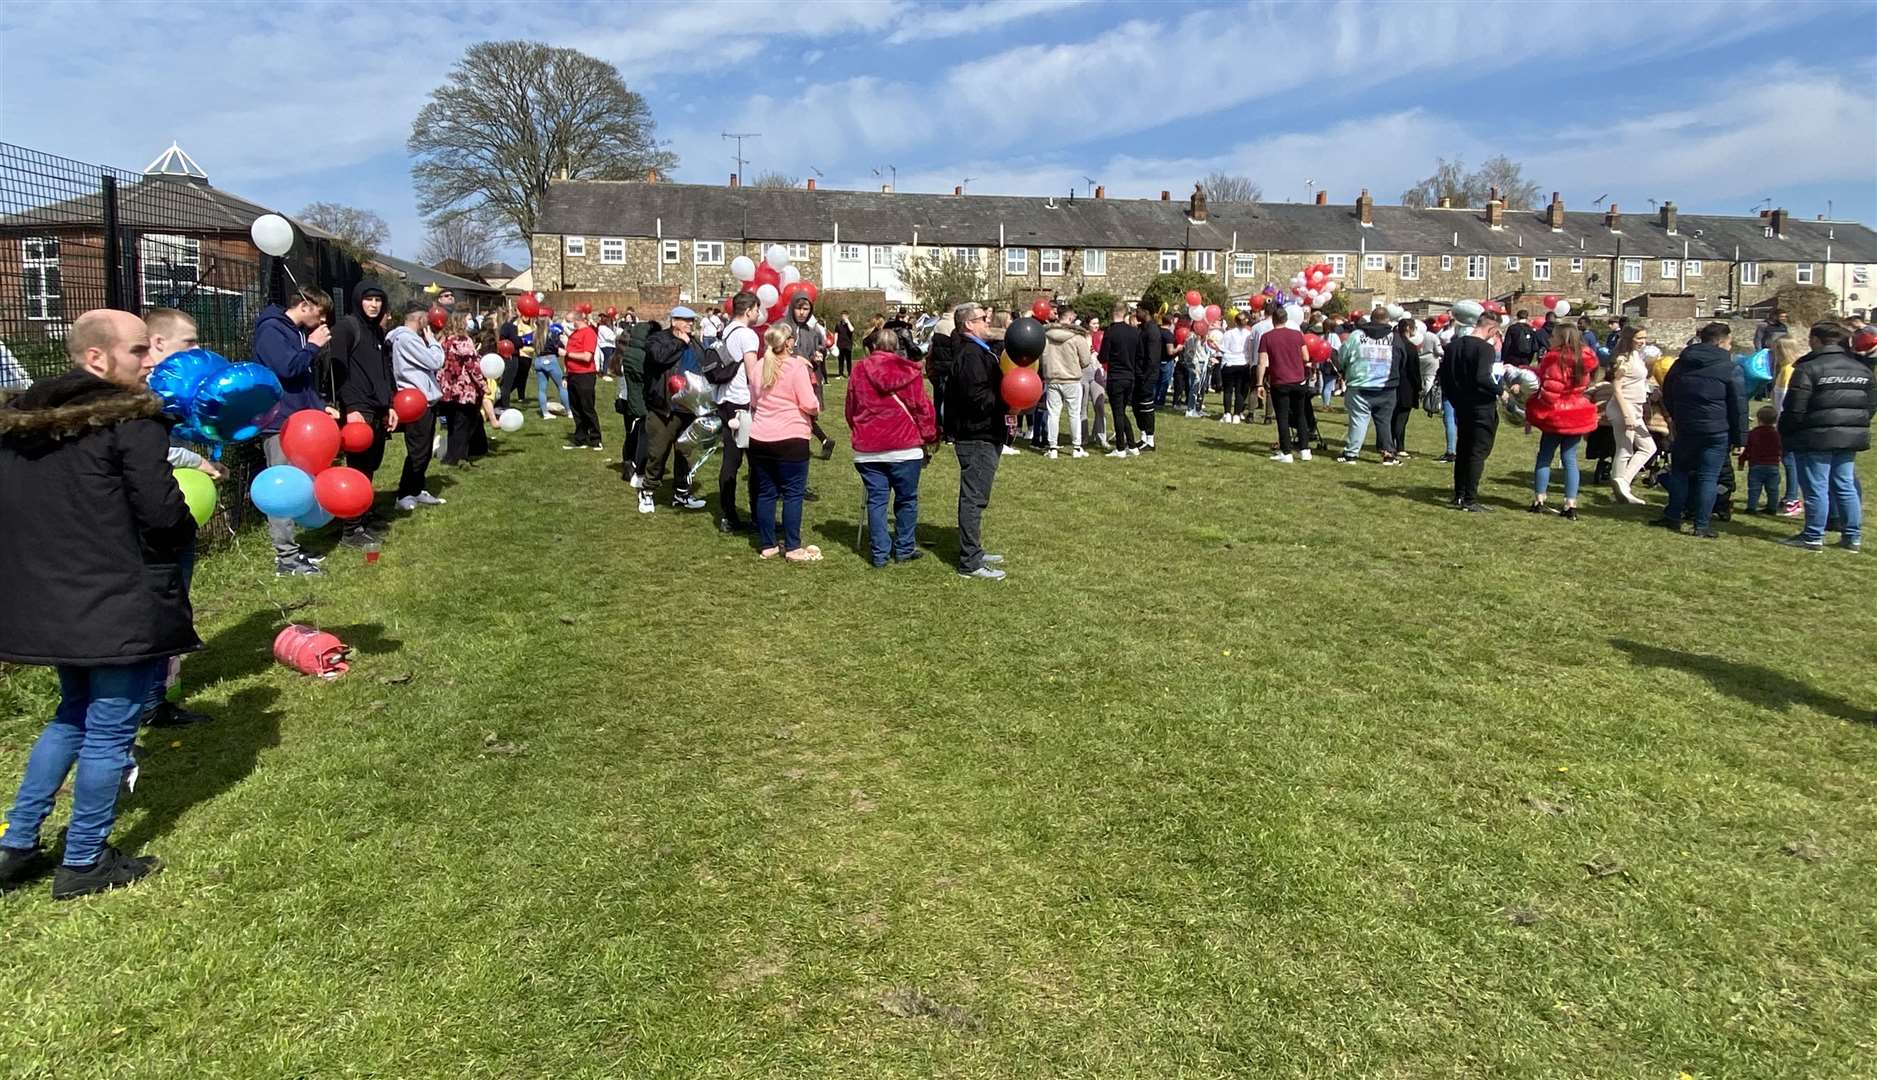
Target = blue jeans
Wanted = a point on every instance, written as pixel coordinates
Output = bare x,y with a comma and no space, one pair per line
1792,479
1196,389
1762,477
1453,426
1565,446
1829,480
93,727
788,482
1692,482
546,368
1164,382
901,479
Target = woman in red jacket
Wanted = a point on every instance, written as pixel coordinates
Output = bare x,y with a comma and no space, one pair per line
893,425
1562,414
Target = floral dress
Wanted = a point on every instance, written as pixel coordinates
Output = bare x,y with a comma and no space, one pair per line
461,380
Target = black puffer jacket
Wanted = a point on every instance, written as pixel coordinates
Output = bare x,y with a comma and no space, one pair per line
1828,403
361,364
93,527
1705,394
664,354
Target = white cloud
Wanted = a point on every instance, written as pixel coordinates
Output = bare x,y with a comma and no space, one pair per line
931,23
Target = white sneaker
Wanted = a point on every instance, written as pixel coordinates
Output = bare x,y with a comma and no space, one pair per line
1147,442
1049,455
408,503
1304,454
646,505
688,502
1117,453
424,498
635,480
1011,451
1285,458
1134,451
1077,452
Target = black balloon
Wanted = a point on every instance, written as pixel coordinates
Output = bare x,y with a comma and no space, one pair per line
1025,338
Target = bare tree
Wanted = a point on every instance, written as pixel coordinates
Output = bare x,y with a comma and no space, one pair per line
515,115
361,232
461,237
774,179
1224,187
1449,181
1465,189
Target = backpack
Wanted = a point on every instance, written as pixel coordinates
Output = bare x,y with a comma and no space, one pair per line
718,367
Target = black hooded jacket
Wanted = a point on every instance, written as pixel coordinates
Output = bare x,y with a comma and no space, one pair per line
360,362
1121,352
664,354
1828,403
94,526
1705,394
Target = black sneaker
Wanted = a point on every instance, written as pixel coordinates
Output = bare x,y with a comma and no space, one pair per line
1802,543
19,866
1569,513
358,538
1535,508
113,870
809,495
296,567
827,449
916,554
1664,523
1446,459
169,714
1477,508
1706,534
731,528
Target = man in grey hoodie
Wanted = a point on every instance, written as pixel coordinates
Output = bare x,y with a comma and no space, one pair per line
1066,358
416,358
810,344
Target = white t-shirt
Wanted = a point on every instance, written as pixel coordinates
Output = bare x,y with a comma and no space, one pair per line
1233,343
1258,330
741,341
608,336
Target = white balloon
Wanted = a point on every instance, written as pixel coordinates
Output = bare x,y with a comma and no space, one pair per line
1564,307
742,268
790,275
510,420
1195,312
272,233
766,295
492,366
777,257
540,298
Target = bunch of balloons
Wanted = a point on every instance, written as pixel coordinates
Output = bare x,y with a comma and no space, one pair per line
1557,305
1024,340
1314,284
776,281
215,401
310,489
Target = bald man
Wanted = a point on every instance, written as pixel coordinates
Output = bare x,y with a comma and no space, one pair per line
96,527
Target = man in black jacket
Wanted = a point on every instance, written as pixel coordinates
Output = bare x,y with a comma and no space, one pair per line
666,354
1825,424
362,368
975,410
1521,344
1705,398
95,528
1121,355
1466,380
1156,347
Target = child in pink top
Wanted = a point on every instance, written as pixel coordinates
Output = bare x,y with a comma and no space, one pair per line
782,404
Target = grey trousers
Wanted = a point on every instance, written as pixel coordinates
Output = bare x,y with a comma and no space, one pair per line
280,530
977,467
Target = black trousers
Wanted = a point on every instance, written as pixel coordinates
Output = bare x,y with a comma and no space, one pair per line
1121,400
580,398
514,381
419,436
846,354
1474,429
1291,404
1237,384
1398,426
464,436
368,459
1144,406
661,437
732,455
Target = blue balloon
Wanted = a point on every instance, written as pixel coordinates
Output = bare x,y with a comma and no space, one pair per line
316,518
230,404
1756,370
180,375
283,491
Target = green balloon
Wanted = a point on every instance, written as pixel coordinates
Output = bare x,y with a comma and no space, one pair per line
199,492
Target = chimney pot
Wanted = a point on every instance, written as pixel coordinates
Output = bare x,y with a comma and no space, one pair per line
811,183
1365,208
1779,222
1554,214
1323,198
1495,211
1166,196
886,189
733,181
1492,195
651,176
1667,210
1101,192
1446,202
1613,218
958,190
1196,206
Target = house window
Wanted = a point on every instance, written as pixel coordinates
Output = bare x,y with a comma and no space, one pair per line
1767,232
1446,262
1339,264
1476,268
1374,262
1410,268
39,277
1244,266
848,253
798,251
1512,264
1049,261
575,246
969,256
669,253
1094,262
708,252
1803,273
1206,262
1577,266
1692,268
1632,271
1016,260
1169,261
1671,269
883,256
1749,273
171,266
612,251
1541,269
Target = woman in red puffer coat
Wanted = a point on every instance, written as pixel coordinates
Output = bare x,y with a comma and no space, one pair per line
894,427
1562,414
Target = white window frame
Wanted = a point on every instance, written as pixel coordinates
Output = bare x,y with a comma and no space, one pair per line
1049,262
1244,266
1749,273
574,247
671,251
1094,262
1016,260
969,256
1169,261
1671,269
1374,261
1541,269
1446,263
1512,264
797,251
847,252
612,251
1691,267
1409,268
1476,268
47,299
707,252
1803,273
155,250
881,257
1339,264
1577,264
1206,262
1632,271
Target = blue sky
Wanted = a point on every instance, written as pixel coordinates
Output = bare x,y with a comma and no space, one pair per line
1713,105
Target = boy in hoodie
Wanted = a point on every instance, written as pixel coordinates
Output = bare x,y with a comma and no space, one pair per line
288,340
416,358
1156,347
1368,364
1066,358
810,344
362,368
1121,355
1705,397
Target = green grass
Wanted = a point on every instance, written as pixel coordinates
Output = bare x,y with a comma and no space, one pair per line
1246,771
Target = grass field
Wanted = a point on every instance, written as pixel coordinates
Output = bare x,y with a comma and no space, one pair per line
1247,770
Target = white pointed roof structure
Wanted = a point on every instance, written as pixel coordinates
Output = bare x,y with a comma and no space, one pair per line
175,162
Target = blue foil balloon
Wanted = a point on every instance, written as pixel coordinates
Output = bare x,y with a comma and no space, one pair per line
230,405
178,377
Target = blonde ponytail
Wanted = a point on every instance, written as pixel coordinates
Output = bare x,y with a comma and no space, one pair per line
781,343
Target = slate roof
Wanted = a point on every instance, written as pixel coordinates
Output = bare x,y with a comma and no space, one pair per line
497,270
157,203
704,211
419,274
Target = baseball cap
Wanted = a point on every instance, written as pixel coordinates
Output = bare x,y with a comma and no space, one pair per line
682,312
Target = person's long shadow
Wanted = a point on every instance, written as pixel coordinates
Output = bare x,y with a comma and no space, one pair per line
1420,493
1253,446
1750,683
219,754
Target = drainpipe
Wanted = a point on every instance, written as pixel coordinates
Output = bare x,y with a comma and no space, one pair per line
829,276
1001,283
1684,268
660,244
1362,263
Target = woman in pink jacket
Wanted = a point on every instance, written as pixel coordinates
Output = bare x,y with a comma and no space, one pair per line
893,423
782,409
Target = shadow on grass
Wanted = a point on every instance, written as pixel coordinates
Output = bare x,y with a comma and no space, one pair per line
220,755
1250,446
1751,683
939,540
247,647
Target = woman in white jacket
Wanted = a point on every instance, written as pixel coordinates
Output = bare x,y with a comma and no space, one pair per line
1629,392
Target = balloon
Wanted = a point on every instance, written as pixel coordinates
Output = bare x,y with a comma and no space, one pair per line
1864,340
509,420
1180,334
1042,310
1563,308
1257,302
309,438
612,312
1550,302
1022,388
1195,312
767,295
777,257
546,312
343,492
504,349
356,437
742,268
230,405
284,491
790,275
492,366
272,233
527,306
1193,299
199,492
540,297
1005,364
1212,313
410,405
1201,327
1538,322
766,275
316,518
1024,339
674,384
584,308
439,318
176,379
700,434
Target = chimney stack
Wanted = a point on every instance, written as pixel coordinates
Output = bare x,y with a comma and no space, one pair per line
1165,196
958,189
1554,214
1495,211
1196,206
1446,202
811,183
1492,194
1667,211
1779,223
733,181
1323,198
1365,208
651,176
1101,192
886,189
1613,219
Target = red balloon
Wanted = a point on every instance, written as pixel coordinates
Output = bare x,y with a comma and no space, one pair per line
1864,340
1551,303
310,438
1180,334
438,318
343,492
356,437
584,308
505,348
1193,297
674,385
1257,302
527,305
612,312
1212,313
547,313
1022,388
1538,322
410,405
778,313
1042,309
807,288
765,275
